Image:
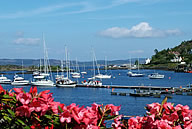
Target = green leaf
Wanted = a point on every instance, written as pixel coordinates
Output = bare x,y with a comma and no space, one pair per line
26,127
7,118
20,121
108,112
11,112
60,109
7,96
111,117
48,116
162,103
100,111
37,119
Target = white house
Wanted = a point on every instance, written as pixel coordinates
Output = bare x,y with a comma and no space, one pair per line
147,61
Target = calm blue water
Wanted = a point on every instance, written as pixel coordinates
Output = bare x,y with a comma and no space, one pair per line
129,105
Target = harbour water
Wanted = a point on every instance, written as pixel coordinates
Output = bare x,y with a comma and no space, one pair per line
129,105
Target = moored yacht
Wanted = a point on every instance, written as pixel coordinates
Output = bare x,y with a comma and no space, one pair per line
62,81
19,81
156,76
44,78
103,76
4,80
41,80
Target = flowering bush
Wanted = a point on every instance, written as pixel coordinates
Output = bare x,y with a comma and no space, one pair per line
163,116
33,110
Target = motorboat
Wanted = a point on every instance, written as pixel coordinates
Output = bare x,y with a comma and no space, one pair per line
41,81
103,76
65,82
19,81
92,82
134,74
156,76
4,80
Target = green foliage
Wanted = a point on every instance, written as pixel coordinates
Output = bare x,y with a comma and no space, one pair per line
184,50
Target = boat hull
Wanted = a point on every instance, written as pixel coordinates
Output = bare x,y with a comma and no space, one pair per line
5,82
43,83
66,85
19,83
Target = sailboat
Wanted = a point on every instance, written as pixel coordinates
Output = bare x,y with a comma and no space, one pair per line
62,81
19,81
93,81
104,76
135,74
84,72
45,77
76,74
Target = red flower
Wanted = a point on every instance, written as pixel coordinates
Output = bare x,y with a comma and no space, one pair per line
18,90
35,105
33,91
24,98
65,116
23,111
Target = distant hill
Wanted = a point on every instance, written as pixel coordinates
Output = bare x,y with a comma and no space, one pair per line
181,52
55,62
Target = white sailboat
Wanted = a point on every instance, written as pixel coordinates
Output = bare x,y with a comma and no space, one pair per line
4,80
84,72
20,81
93,80
104,76
135,74
62,81
45,78
77,73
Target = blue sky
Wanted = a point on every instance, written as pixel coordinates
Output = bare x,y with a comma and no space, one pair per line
118,29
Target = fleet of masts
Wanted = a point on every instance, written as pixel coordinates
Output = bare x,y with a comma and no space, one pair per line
44,77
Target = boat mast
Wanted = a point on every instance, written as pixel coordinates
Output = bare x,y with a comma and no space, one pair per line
66,61
40,65
22,69
105,64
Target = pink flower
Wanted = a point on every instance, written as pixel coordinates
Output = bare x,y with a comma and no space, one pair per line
171,117
168,107
114,109
134,123
24,98
65,116
18,90
177,127
35,105
163,124
54,107
154,108
33,91
23,111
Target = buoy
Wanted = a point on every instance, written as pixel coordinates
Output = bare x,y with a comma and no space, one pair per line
169,77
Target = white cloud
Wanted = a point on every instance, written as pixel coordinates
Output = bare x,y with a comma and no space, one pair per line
27,41
141,30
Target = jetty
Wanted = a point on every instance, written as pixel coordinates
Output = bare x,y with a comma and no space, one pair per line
127,87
